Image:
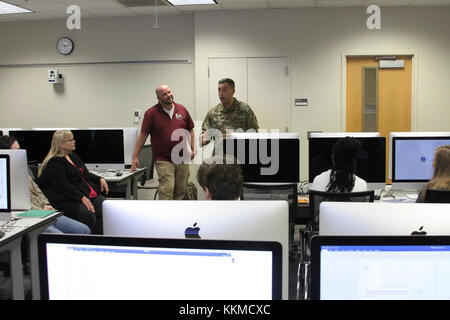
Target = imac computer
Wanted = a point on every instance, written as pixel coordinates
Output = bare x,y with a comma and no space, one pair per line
36,142
412,160
130,135
5,188
384,218
272,157
101,149
380,268
371,160
20,190
411,134
74,267
222,220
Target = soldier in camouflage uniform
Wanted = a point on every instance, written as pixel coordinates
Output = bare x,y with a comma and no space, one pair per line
229,114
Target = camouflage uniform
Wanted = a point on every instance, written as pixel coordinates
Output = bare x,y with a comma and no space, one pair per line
239,116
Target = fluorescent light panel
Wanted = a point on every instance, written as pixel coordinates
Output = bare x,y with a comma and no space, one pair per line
190,2
6,8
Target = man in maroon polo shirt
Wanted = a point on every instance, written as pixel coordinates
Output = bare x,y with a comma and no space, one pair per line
165,121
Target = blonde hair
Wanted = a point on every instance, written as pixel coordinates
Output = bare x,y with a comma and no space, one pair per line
55,149
441,175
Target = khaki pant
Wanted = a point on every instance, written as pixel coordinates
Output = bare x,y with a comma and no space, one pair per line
172,179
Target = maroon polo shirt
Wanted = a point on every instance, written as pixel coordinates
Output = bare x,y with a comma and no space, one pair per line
160,126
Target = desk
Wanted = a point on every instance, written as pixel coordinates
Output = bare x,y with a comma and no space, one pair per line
30,228
129,178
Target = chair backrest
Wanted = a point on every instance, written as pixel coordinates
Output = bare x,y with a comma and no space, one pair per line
146,159
316,197
277,191
437,196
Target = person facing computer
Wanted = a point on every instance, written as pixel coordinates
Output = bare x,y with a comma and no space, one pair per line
341,177
221,177
441,175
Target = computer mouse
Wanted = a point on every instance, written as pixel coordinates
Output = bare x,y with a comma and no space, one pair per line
119,173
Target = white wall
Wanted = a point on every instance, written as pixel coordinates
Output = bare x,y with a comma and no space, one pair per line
93,95
314,41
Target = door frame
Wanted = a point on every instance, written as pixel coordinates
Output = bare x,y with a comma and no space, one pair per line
414,92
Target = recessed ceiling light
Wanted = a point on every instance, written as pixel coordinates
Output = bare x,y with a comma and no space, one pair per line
6,8
190,2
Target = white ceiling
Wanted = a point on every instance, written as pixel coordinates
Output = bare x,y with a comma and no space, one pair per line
56,9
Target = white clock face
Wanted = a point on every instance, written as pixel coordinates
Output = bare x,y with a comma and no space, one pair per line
65,45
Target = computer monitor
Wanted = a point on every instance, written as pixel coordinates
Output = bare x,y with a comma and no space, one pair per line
410,134
5,186
371,160
130,135
100,149
37,143
383,218
272,157
224,220
20,190
380,268
412,160
104,268
1,132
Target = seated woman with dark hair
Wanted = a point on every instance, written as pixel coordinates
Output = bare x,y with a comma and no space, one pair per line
69,185
221,178
441,175
38,200
341,177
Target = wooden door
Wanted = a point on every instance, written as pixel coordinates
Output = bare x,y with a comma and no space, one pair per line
394,98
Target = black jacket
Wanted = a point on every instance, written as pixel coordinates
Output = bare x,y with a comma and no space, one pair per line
61,181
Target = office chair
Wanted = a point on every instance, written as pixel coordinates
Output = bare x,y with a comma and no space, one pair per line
437,196
316,197
280,191
149,180
312,229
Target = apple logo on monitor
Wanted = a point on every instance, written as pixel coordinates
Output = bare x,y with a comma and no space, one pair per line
419,232
192,232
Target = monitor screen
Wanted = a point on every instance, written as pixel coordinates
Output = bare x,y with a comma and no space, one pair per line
130,135
97,148
101,148
224,220
266,158
5,191
412,158
380,268
20,189
371,160
110,268
37,143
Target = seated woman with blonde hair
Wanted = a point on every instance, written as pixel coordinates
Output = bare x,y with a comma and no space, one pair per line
441,175
68,184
